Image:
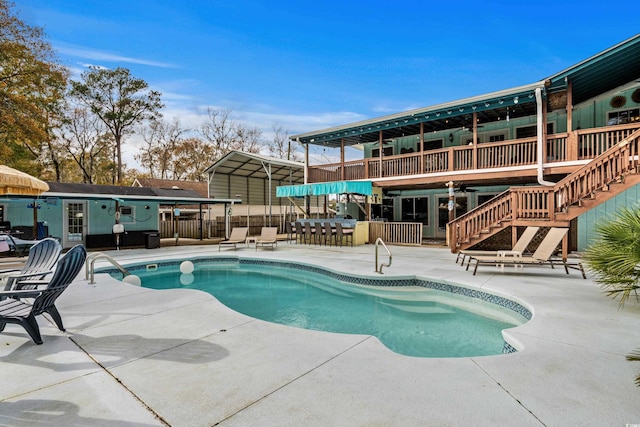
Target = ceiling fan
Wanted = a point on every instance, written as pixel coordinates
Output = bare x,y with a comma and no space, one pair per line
464,189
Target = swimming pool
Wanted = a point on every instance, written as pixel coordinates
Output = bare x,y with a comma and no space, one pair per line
410,316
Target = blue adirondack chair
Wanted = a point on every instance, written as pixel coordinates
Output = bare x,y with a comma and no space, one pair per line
17,306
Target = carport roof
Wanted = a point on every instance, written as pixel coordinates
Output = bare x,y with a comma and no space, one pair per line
239,163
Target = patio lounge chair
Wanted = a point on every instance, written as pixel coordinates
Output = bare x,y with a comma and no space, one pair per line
519,247
268,237
542,256
238,235
14,309
42,258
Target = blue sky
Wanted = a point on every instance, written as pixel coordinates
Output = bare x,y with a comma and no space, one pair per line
310,65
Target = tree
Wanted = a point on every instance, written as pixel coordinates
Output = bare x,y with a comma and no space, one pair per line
247,139
614,258
32,84
160,141
225,135
191,158
218,130
281,145
84,137
119,100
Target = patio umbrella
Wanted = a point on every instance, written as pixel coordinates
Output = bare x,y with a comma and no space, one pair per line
16,183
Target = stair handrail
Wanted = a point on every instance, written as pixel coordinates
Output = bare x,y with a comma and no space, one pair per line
621,158
621,151
378,242
89,272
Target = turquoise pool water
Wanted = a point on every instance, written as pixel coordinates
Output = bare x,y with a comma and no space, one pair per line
413,320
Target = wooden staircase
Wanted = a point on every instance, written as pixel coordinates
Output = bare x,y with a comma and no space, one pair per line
614,171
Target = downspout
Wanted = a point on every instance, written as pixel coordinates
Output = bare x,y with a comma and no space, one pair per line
540,141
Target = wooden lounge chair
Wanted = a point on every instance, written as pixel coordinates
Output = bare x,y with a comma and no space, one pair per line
542,256
42,258
519,247
15,309
238,235
268,237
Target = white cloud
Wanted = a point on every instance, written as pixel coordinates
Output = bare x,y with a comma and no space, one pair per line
97,55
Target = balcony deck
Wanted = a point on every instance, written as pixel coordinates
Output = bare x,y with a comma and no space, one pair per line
486,162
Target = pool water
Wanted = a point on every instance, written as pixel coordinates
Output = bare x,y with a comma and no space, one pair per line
413,321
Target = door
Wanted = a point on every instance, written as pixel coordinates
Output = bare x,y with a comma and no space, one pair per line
75,223
461,206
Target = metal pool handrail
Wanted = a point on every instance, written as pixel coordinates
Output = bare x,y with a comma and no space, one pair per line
89,271
379,241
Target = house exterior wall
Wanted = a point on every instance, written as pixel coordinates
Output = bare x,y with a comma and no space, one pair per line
99,219
587,222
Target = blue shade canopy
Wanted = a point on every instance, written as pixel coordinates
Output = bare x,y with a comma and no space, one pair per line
320,189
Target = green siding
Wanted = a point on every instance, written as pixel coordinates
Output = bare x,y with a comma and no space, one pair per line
588,220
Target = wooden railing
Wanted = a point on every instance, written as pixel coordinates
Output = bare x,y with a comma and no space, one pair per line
397,233
544,203
577,145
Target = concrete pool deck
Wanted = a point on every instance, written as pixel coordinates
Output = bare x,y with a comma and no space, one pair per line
138,357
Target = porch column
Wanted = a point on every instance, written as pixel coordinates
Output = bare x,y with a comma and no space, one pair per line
569,106
544,133
380,159
421,148
572,136
342,159
306,163
475,140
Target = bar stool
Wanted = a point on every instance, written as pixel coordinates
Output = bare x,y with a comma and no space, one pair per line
347,233
319,233
290,230
329,233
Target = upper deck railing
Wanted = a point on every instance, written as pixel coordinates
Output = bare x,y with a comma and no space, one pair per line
545,203
582,144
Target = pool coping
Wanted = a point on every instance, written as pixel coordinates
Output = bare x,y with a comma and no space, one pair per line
121,360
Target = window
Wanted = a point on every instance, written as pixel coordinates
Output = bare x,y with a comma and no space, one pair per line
383,211
531,131
387,151
127,214
433,144
622,117
415,209
485,137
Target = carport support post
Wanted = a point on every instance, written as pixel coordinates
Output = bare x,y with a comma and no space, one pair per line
35,219
175,217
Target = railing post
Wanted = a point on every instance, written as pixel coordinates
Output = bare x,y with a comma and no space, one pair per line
451,159
572,145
